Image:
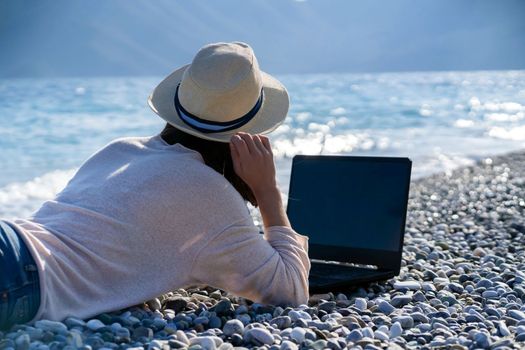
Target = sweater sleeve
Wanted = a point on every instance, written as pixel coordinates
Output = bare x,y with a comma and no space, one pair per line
272,268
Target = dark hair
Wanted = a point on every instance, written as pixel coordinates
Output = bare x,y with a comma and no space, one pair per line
216,155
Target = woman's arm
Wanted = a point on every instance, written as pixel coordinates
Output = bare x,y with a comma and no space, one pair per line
272,268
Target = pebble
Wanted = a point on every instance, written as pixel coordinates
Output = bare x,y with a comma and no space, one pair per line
143,332
298,334
259,336
223,307
23,342
361,304
52,326
473,318
95,324
396,330
480,252
520,337
419,296
405,321
516,314
327,306
71,322
482,340
354,336
380,335
233,326
288,345
368,332
400,300
456,287
154,304
503,330
484,283
411,285
299,314
215,322
282,322
385,307
319,344
74,339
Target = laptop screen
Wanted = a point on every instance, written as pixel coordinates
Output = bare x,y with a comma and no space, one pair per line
346,201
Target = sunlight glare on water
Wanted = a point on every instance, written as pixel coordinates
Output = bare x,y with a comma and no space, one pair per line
441,120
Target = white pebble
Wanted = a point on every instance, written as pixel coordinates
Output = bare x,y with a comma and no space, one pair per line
412,285
95,324
360,303
380,335
298,334
396,330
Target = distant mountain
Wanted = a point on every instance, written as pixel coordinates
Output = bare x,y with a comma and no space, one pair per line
150,37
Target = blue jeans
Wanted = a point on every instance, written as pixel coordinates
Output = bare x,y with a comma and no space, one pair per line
19,281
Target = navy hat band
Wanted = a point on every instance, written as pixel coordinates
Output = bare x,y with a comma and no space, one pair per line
208,126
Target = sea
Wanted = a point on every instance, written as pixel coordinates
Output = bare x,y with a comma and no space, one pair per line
440,120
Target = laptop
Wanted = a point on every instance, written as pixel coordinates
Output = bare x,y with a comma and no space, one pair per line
353,209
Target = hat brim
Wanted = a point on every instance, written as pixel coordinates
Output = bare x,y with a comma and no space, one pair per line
272,113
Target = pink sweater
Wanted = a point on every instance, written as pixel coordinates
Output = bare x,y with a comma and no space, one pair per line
141,218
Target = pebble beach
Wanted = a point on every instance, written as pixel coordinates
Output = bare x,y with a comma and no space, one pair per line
461,286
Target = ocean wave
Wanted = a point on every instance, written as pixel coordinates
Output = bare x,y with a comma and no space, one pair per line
515,134
20,199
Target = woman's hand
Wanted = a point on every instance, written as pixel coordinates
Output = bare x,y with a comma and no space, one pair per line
252,158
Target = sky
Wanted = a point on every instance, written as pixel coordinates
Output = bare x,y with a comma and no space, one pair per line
77,38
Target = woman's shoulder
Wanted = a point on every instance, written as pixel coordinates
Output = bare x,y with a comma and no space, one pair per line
134,141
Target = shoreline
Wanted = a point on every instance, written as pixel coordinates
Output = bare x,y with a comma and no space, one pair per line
463,270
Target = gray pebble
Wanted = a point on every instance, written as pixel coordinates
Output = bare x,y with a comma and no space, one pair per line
482,340
222,307
214,322
52,326
405,321
516,314
419,317
233,326
71,322
259,336
456,287
385,307
282,322
368,332
419,296
490,294
400,300
354,336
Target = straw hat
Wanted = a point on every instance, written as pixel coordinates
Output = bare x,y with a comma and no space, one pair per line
221,92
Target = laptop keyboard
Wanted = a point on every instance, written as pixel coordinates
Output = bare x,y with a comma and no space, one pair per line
330,272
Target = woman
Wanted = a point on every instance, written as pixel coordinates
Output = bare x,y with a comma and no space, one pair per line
147,215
